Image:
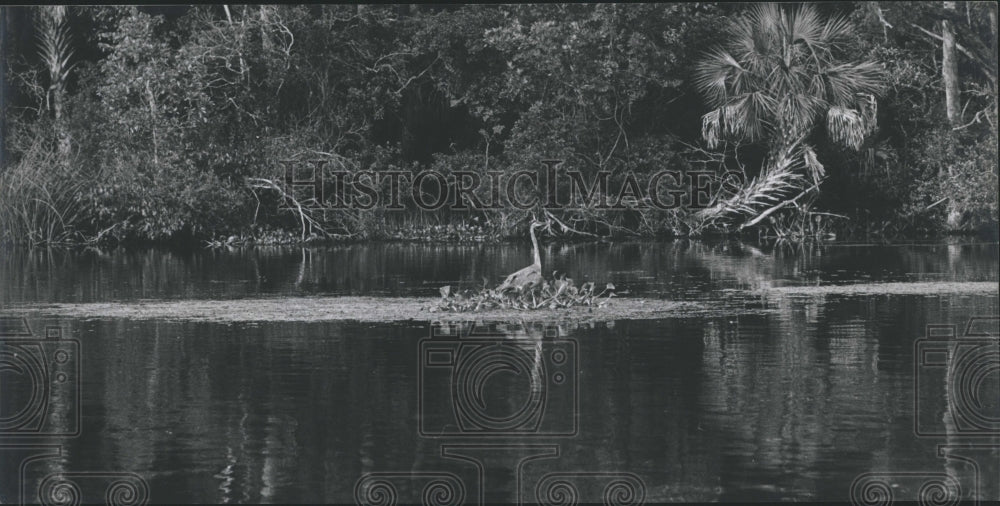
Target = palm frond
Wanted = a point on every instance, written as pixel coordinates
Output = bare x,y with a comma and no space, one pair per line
846,126
806,26
837,29
780,177
54,41
778,74
812,163
734,115
711,126
845,81
868,107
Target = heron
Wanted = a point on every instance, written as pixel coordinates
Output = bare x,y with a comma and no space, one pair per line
531,275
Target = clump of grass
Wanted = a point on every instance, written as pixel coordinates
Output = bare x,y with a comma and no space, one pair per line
559,293
40,201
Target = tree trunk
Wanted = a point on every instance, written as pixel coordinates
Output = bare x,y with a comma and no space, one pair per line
265,39
991,8
55,51
949,71
952,98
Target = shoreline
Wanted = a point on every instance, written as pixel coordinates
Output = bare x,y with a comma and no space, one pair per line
220,243
390,309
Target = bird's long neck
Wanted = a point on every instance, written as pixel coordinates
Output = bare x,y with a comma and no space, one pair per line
534,245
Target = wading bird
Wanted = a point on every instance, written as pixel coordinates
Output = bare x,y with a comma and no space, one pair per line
529,276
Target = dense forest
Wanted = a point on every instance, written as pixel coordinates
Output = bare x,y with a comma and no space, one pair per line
854,120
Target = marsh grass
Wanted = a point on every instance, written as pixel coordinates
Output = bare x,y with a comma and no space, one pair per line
40,201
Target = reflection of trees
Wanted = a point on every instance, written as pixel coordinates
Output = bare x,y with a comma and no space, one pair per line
213,404
785,385
297,412
824,378
960,398
678,269
640,383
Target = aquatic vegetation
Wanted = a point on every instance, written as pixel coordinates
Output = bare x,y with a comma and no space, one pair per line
374,309
558,293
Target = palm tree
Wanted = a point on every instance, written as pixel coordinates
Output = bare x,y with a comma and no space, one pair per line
55,51
778,75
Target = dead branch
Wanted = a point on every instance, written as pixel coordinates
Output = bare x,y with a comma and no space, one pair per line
565,227
961,49
305,218
771,210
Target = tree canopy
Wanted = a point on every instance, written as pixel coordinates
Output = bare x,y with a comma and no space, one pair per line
167,123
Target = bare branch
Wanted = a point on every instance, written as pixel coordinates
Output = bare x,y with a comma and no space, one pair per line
770,211
962,49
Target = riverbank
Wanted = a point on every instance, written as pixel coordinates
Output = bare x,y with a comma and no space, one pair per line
387,309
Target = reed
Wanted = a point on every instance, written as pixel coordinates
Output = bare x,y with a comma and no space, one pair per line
40,201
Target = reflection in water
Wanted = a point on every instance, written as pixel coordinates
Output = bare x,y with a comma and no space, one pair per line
678,270
790,404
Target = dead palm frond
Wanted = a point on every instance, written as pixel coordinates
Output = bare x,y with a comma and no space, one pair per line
780,178
845,126
816,169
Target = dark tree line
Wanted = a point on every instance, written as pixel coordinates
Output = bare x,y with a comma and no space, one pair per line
862,119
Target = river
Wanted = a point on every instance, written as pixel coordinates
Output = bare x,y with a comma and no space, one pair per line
805,396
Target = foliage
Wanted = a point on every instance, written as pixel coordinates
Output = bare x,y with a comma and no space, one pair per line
559,293
782,71
176,123
916,166
964,170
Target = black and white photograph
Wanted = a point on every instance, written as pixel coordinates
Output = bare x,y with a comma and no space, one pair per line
526,253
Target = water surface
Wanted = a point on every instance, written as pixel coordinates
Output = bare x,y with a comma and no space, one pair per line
793,403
